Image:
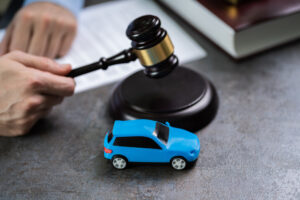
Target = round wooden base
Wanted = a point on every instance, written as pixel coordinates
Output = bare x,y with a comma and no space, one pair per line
184,98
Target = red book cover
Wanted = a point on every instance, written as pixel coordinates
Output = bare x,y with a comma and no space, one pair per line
251,12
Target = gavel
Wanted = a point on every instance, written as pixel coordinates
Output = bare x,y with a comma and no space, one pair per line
150,44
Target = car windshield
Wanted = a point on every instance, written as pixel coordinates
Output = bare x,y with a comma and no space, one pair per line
161,132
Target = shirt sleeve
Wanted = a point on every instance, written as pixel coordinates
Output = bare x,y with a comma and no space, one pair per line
73,5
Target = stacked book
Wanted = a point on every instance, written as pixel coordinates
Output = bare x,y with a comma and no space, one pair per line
242,27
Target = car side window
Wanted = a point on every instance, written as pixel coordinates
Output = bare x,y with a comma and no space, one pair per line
109,137
140,142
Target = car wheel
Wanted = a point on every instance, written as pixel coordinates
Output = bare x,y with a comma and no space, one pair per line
119,162
178,163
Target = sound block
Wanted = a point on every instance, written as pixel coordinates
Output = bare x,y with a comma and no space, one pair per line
184,98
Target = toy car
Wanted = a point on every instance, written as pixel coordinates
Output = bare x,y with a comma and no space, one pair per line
147,141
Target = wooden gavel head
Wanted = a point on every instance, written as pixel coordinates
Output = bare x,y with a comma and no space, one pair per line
152,46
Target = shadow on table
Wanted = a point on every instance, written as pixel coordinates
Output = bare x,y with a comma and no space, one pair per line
104,169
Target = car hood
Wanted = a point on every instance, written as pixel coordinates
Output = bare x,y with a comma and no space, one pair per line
182,140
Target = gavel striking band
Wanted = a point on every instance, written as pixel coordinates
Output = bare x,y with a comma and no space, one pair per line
151,45
156,54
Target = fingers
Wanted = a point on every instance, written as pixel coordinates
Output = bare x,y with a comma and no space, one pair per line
58,37
39,78
38,103
50,84
52,37
4,46
21,34
42,28
67,41
54,44
57,85
24,125
24,115
33,104
40,63
33,118
41,32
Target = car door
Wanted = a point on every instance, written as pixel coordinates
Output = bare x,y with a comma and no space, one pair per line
140,149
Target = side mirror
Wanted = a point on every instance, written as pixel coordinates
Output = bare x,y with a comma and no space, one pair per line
168,124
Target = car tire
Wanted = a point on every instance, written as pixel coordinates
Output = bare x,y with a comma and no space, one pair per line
119,162
178,163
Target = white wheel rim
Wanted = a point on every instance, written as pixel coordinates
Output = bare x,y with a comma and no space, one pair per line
178,163
119,163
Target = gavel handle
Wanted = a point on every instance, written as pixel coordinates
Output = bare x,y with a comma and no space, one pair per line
125,56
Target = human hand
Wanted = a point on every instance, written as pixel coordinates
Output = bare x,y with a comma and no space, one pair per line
30,87
41,28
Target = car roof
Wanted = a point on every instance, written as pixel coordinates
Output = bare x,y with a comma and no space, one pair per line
139,127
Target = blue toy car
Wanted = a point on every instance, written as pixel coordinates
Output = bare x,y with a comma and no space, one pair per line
147,141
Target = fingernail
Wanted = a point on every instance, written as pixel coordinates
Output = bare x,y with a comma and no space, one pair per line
66,66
